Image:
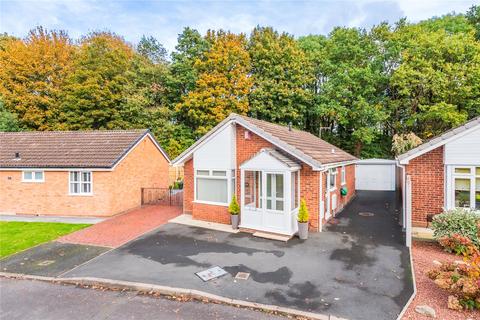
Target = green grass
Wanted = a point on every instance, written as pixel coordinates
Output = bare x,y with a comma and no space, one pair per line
17,236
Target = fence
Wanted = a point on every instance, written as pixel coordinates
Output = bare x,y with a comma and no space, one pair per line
163,196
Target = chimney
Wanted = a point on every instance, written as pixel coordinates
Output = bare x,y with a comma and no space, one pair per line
290,126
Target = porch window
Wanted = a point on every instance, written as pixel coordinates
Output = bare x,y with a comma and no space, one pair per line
333,178
212,186
253,189
80,182
275,192
294,190
466,187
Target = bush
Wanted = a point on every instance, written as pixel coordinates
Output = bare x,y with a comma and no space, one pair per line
460,222
302,212
458,244
234,208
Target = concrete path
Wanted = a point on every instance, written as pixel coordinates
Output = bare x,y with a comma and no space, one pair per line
30,218
123,228
32,300
356,269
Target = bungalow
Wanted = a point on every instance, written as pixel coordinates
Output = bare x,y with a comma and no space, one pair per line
269,168
78,173
442,173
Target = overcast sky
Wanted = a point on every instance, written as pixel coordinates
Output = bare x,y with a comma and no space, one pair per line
166,19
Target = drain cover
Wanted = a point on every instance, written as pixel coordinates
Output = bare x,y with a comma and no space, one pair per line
211,273
242,275
366,214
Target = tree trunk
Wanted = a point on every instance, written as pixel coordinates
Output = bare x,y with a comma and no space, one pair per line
358,149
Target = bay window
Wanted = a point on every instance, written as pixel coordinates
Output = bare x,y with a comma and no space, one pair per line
214,186
80,183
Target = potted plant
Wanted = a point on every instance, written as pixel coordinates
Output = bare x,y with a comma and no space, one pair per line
234,210
302,220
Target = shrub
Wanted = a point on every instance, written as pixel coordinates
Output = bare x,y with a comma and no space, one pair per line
461,280
302,212
458,244
461,222
234,208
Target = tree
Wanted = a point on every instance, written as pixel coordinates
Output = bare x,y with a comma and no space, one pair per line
436,86
96,92
280,73
473,17
223,83
8,121
150,48
33,72
349,86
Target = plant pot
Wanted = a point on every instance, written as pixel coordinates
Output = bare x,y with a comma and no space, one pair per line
234,220
303,230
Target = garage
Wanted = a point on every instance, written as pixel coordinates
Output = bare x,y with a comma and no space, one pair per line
375,174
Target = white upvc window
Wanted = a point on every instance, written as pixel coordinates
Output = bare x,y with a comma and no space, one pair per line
466,187
33,176
80,183
214,186
343,176
333,178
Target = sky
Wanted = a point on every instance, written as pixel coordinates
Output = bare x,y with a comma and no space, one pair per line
166,19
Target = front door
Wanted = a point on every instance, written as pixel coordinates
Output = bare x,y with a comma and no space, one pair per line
274,213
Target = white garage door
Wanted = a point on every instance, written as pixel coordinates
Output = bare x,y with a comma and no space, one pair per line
375,174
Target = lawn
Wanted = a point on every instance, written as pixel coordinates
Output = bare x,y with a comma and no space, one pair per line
18,236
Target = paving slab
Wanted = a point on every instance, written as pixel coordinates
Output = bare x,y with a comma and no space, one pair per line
50,259
358,268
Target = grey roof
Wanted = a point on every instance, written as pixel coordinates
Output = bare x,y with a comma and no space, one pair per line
299,144
441,139
67,149
281,156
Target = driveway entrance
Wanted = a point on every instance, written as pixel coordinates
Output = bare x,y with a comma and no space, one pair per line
356,269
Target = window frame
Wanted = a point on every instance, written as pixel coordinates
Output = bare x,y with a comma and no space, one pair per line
230,174
33,179
332,173
80,182
343,176
472,176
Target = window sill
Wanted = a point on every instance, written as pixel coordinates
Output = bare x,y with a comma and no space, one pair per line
81,194
332,189
32,181
221,204
343,184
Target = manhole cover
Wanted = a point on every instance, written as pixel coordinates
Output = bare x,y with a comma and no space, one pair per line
242,275
211,273
366,214
46,262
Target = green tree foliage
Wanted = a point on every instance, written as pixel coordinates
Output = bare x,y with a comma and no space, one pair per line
223,83
152,49
95,94
473,17
8,120
280,73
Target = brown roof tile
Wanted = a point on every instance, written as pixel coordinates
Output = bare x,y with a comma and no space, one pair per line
303,141
66,149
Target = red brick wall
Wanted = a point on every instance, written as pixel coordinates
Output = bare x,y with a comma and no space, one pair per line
213,213
310,191
188,187
427,176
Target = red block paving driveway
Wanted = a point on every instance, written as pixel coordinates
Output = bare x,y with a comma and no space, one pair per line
122,228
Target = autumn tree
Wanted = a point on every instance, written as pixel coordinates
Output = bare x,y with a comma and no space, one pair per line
280,73
33,75
223,83
96,92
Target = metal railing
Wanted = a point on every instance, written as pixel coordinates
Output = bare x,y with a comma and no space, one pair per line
162,196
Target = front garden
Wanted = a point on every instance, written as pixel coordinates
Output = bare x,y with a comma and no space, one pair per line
447,271
17,236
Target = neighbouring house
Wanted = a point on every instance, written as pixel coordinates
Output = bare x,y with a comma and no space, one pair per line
78,173
442,173
269,168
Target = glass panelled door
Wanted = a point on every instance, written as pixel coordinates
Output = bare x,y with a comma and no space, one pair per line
274,216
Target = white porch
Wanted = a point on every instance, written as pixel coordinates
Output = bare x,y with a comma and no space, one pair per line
270,193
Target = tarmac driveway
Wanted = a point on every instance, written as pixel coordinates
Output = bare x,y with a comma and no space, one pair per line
356,269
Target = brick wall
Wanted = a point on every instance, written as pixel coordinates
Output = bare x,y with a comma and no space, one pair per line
113,191
188,187
427,176
212,213
309,190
